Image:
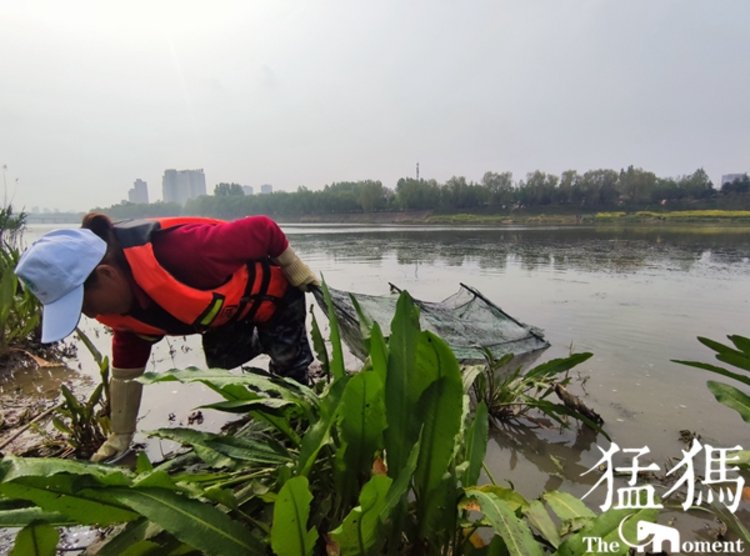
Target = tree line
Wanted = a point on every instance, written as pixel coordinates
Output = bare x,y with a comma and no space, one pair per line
595,190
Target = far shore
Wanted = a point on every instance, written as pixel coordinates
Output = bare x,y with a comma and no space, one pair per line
729,218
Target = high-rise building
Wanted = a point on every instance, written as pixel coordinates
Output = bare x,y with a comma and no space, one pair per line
247,189
266,188
139,192
180,185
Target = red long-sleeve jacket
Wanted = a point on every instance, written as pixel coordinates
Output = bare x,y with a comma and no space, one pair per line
202,256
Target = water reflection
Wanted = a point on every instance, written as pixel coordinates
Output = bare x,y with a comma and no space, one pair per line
606,250
556,459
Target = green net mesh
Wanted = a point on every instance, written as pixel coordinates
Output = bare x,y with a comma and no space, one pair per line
466,320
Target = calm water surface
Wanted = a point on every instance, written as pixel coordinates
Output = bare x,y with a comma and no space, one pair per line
635,298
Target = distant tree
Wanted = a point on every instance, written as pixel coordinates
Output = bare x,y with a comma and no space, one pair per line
565,191
596,188
412,194
499,187
372,196
740,185
697,185
458,194
636,185
228,189
538,189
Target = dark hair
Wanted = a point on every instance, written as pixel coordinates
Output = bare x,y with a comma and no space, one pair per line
103,227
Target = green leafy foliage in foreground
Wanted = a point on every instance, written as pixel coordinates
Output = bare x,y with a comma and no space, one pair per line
386,460
512,395
20,312
738,356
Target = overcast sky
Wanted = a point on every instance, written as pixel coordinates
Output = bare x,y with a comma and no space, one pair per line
291,93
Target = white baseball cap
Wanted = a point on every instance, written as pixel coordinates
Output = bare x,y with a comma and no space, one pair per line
54,268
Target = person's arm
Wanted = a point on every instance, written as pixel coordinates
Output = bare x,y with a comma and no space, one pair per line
131,351
130,354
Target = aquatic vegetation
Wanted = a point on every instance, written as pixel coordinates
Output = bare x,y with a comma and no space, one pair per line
737,356
20,312
85,424
512,395
385,460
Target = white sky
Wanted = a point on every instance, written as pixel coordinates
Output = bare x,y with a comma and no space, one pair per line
294,92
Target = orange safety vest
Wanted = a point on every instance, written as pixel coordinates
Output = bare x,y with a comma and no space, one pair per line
252,292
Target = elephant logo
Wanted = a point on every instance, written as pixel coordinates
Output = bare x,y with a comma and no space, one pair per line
660,534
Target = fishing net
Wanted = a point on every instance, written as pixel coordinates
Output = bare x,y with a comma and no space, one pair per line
466,320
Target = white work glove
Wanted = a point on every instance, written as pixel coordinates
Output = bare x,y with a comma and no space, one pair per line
124,401
298,273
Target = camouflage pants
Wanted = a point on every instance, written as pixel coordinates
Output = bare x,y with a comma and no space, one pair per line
283,339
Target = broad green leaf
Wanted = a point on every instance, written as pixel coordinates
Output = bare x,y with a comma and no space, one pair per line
566,506
358,533
145,548
21,517
131,540
319,345
200,525
517,536
715,369
400,486
219,378
158,478
557,366
244,406
400,403
61,494
475,445
512,499
337,355
362,421
289,533
731,397
718,347
379,353
442,411
233,447
737,359
36,540
539,518
741,458
233,392
742,343
142,463
365,322
607,527
8,283
319,433
470,374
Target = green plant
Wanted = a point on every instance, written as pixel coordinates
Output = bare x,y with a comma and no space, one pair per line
511,395
20,311
738,357
386,460
84,423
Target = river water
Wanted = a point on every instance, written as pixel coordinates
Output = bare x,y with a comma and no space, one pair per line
635,297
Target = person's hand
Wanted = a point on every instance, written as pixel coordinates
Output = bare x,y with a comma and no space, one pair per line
125,401
297,272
